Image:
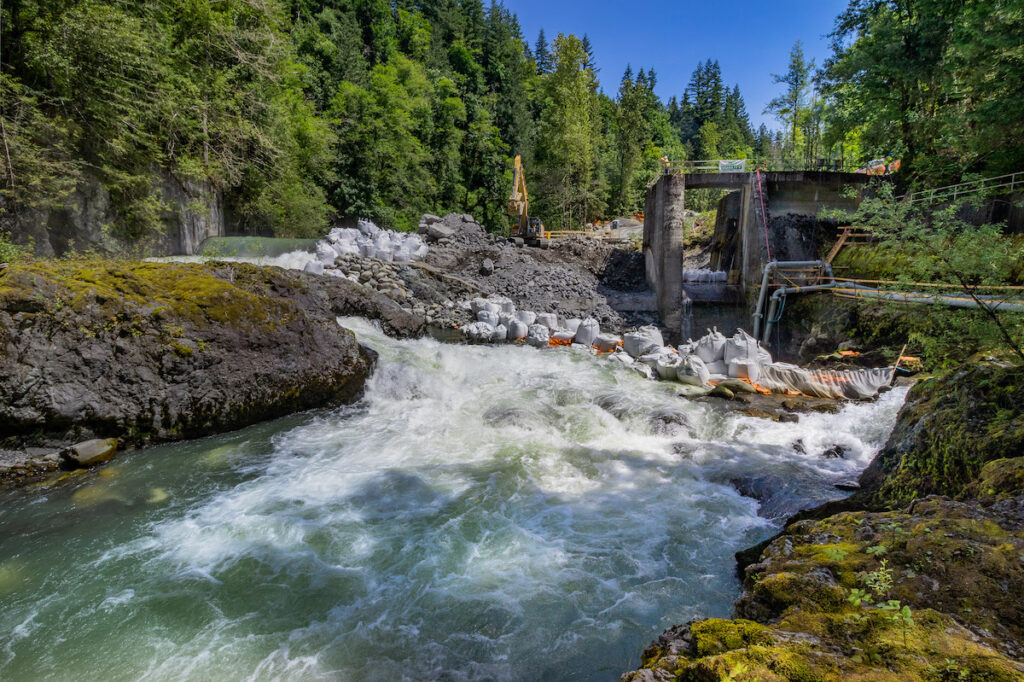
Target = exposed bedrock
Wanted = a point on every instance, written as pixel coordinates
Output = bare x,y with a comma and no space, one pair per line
149,352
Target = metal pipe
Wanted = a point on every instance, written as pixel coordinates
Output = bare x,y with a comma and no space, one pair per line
951,301
868,292
781,293
769,268
762,295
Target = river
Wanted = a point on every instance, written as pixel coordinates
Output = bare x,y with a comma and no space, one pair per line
483,513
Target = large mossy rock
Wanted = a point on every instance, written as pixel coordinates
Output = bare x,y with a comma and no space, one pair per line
947,430
149,352
957,568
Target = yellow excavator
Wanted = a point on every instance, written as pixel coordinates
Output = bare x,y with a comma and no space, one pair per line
527,230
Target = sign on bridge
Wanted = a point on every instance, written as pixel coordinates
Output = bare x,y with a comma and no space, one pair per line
732,166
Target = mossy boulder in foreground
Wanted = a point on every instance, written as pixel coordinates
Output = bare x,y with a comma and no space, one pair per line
895,582
148,352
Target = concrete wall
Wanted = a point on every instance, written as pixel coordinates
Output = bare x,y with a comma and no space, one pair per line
663,249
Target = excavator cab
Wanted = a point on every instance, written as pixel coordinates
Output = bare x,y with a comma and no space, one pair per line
534,229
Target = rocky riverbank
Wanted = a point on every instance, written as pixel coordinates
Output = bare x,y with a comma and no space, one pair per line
892,583
150,352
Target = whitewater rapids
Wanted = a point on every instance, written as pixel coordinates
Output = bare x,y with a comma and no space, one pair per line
483,513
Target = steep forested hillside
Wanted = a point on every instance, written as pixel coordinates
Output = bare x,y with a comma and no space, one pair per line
300,111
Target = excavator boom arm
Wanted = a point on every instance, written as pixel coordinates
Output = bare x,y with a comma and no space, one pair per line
519,201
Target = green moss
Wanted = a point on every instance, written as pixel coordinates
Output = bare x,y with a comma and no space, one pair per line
715,635
181,349
184,292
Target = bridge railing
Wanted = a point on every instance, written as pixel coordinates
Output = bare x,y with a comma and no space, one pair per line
749,166
1001,184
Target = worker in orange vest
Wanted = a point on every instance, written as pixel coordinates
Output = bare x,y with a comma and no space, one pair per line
665,164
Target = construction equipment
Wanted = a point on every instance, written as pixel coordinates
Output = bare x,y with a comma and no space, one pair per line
528,230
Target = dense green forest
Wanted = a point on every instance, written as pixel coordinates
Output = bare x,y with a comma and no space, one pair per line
302,111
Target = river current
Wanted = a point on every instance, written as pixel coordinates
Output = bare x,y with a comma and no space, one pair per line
483,513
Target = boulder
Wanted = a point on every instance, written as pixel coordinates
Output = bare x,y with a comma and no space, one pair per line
90,452
209,348
487,267
314,268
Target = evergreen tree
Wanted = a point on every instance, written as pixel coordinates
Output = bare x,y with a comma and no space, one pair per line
542,54
570,129
589,51
788,106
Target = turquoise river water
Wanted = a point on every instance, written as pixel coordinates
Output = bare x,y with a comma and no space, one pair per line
484,513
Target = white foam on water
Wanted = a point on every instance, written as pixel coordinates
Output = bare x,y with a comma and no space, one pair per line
483,513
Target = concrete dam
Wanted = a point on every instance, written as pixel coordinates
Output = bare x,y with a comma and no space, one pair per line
766,216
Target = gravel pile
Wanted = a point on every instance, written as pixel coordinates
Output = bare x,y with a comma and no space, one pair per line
563,279
463,262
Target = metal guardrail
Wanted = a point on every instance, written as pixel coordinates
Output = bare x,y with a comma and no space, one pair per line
1007,182
750,165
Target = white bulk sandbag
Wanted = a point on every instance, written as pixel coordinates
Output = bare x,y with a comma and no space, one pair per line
587,331
643,370
549,320
741,347
505,319
325,253
421,252
478,304
488,316
478,331
506,304
385,255
711,347
367,250
346,248
538,335
526,317
314,268
624,358
571,324
608,342
334,236
667,365
642,341
517,330
651,359
716,367
402,255
745,369
368,228
500,333
562,337
763,356
692,370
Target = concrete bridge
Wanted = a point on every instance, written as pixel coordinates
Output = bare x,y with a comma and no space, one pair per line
766,216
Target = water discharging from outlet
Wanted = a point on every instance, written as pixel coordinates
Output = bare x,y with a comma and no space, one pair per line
484,513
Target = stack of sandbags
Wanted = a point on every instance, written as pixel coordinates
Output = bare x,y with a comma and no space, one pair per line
369,241
710,348
743,357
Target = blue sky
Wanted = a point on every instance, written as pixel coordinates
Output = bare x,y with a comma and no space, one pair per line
750,39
